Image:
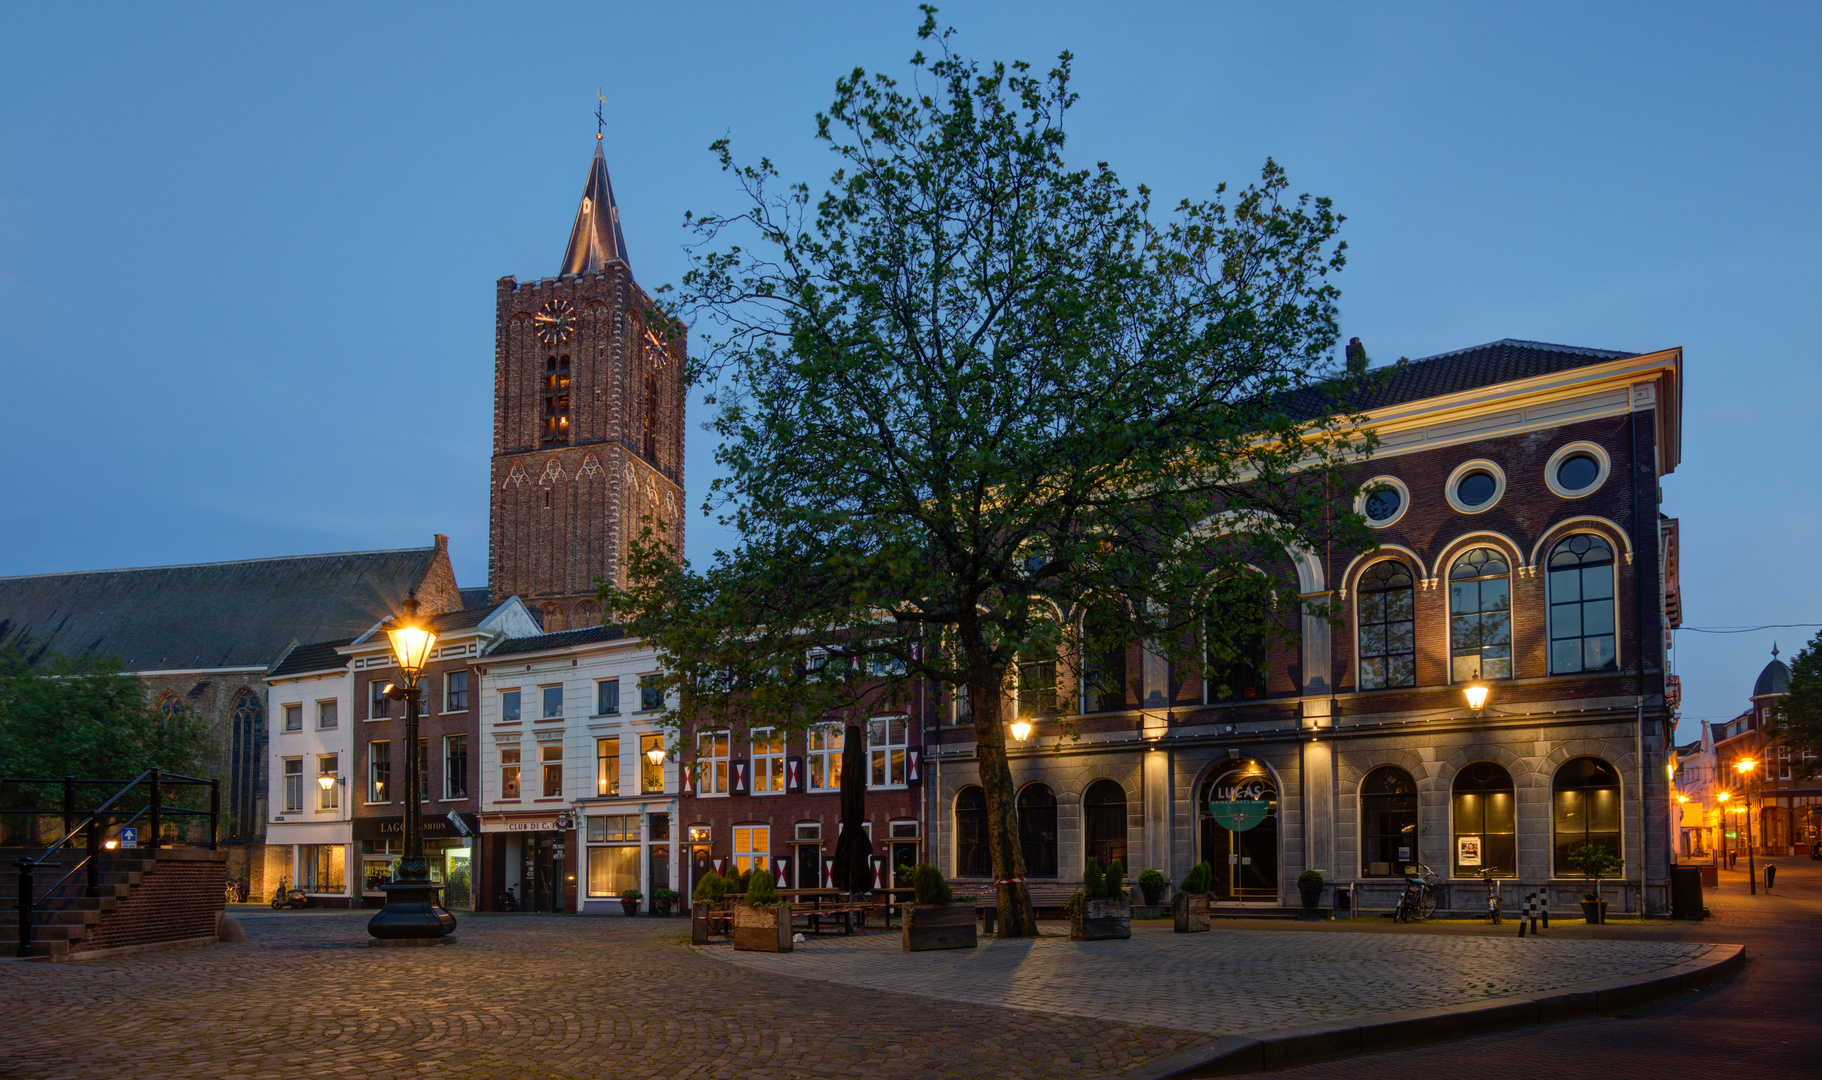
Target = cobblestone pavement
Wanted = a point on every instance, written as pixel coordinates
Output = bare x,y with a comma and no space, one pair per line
1761,1024
519,996
1225,981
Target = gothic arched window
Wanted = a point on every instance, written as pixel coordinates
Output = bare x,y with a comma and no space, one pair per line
1038,830
1581,606
972,856
246,765
1388,638
1585,803
1485,821
1104,821
1388,822
1480,616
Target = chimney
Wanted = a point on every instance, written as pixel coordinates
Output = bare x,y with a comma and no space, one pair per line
1357,357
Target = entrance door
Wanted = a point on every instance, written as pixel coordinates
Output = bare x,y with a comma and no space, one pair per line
660,869
699,858
539,874
809,865
903,855
1239,812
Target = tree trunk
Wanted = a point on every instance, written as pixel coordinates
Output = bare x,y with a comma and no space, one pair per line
1015,915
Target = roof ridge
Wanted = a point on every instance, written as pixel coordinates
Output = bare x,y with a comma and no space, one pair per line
1523,343
224,562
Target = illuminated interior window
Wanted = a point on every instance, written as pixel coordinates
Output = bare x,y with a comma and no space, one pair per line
556,399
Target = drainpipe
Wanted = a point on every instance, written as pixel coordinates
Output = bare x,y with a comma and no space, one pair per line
1638,632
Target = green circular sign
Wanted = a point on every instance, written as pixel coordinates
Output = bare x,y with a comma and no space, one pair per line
1239,815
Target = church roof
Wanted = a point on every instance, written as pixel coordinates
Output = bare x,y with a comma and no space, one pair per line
1775,679
210,615
596,239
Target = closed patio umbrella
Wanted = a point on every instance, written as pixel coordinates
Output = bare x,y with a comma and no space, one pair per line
853,850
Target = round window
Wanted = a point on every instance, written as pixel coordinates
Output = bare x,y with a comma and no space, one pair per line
1383,504
1578,471
1476,489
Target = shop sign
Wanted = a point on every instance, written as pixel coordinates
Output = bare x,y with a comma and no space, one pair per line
560,823
1239,815
436,827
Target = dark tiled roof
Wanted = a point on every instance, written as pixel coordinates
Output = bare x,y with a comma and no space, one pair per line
462,620
320,656
210,615
475,597
1506,360
562,639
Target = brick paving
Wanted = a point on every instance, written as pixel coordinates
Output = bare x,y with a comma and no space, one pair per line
519,996
1227,980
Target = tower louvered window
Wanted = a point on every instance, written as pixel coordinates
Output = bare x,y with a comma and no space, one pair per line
556,399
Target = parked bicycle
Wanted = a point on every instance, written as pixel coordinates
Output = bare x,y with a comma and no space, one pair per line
1418,900
1495,910
235,890
509,900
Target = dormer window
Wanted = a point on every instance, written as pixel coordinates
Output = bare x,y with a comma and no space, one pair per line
556,399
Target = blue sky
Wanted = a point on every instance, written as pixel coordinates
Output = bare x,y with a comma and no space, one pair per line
247,252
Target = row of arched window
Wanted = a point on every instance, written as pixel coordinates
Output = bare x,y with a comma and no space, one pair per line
1482,833
1581,615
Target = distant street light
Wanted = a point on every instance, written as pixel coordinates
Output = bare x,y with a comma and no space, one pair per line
1744,767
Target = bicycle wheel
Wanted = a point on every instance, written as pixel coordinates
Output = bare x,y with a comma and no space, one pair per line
1428,903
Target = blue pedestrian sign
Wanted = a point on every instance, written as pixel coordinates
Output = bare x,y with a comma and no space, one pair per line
129,837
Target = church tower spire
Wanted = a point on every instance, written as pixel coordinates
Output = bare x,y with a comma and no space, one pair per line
596,239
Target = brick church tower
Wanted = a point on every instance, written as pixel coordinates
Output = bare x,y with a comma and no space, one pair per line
587,422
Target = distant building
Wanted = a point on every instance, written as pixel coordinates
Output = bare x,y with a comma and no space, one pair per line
1785,808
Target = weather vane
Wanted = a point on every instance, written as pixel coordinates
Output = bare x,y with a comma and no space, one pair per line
600,121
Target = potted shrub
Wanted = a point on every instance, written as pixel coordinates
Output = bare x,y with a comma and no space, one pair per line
933,921
1152,883
706,906
762,919
1189,910
1596,862
663,900
1101,910
629,901
1309,884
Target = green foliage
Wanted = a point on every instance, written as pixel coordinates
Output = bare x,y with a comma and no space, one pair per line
710,887
930,886
1151,879
1310,879
1595,861
664,896
1798,716
760,892
741,882
1091,878
631,894
1199,880
1103,884
83,716
969,384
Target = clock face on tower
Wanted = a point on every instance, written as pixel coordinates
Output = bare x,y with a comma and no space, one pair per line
554,322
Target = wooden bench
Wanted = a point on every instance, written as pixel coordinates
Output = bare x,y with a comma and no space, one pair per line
1048,898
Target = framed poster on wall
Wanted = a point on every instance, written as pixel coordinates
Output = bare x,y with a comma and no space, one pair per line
1467,850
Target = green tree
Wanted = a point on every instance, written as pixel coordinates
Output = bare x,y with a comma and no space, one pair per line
1798,717
968,391
83,716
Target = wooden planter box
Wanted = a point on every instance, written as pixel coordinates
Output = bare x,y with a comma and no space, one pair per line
1189,913
707,920
1101,920
934,926
762,929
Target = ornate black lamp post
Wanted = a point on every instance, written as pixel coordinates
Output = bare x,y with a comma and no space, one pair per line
412,911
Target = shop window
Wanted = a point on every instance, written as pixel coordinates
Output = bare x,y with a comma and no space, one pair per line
509,707
1387,626
1104,821
294,785
509,772
1480,616
768,761
455,767
379,772
824,743
614,868
455,691
973,858
322,868
294,718
550,756
328,795
1037,810
553,703
651,773
886,737
752,848
1484,818
1585,801
1388,822
1581,606
607,766
607,697
712,763
1104,640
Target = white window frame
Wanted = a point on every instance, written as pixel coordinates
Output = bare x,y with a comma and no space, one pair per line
328,798
517,696
887,758
822,757
511,763
600,686
374,795
377,700
294,785
328,714
768,761
545,716
547,765
449,795
607,785
644,705
290,710
712,767
749,857
467,689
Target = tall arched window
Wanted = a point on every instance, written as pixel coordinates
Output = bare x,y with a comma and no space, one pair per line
1388,639
1038,674
246,765
1104,821
1038,830
1480,616
1104,641
1388,822
1485,822
1585,798
972,856
1235,638
1581,606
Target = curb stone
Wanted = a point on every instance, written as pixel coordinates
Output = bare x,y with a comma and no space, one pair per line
1277,1049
